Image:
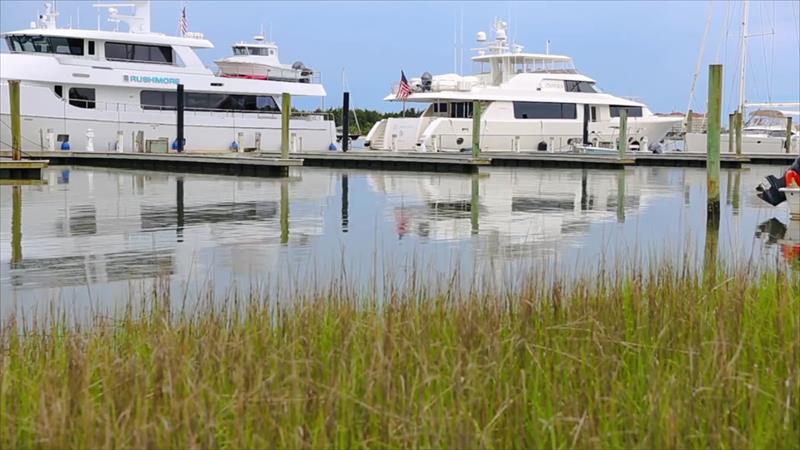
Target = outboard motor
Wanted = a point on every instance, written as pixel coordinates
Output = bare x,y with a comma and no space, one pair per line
771,193
426,81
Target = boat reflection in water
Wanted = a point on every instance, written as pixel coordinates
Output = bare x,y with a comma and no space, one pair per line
96,234
785,236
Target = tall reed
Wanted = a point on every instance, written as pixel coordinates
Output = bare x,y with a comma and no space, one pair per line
648,360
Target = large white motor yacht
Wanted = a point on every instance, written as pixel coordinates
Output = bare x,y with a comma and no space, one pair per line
116,90
531,102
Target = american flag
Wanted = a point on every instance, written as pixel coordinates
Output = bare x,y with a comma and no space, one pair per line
183,22
403,90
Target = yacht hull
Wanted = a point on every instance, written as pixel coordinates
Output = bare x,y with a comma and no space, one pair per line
696,143
45,117
453,135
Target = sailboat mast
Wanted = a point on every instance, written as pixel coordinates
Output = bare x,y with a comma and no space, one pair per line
743,56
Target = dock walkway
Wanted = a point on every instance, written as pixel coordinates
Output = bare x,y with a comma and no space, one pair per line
270,164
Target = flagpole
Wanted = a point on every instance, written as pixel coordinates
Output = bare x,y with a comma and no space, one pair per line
404,108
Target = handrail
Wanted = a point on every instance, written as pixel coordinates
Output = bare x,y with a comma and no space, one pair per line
120,107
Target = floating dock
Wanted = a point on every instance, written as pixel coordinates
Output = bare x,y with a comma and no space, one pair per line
24,169
218,164
408,161
270,164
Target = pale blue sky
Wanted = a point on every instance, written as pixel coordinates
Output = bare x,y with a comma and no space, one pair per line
640,49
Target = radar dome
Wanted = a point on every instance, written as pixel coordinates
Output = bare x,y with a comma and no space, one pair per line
481,37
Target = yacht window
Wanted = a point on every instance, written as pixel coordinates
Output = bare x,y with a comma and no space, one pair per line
266,104
579,86
161,100
633,111
440,107
59,90
45,44
118,51
82,97
201,101
460,110
91,47
544,110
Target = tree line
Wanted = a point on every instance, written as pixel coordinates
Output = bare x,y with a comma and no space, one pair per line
366,117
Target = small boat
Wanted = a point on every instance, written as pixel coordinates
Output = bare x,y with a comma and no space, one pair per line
259,61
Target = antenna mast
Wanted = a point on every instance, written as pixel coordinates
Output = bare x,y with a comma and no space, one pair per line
743,56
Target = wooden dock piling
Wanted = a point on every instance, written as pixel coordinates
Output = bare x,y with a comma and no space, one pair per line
731,132
622,145
586,112
345,121
739,126
179,108
16,127
286,112
476,129
712,142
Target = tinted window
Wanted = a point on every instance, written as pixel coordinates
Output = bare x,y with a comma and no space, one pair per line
91,47
633,111
45,44
118,51
82,97
59,90
460,110
579,86
543,110
266,104
202,101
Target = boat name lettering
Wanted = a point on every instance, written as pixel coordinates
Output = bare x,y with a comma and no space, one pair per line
149,79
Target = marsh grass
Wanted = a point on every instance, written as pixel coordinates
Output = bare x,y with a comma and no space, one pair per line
646,360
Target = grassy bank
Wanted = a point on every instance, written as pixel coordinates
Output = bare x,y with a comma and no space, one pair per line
653,360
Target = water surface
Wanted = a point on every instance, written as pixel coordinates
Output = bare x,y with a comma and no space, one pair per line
96,234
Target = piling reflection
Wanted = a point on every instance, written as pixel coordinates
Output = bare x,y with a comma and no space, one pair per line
179,208
621,196
474,206
284,211
16,226
345,203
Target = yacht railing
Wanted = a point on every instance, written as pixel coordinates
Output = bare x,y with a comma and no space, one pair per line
533,142
119,107
251,73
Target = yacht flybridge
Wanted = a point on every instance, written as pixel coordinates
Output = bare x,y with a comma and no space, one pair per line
531,102
116,90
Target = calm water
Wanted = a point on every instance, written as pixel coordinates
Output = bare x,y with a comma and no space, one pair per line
96,234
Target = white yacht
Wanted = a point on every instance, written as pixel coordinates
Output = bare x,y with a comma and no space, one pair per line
764,132
116,90
259,61
531,102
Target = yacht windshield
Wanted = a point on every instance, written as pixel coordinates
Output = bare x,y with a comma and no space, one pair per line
258,51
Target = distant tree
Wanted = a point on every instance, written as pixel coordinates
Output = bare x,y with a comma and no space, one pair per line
366,117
